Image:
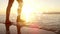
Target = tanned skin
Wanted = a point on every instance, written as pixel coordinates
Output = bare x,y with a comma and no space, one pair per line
8,23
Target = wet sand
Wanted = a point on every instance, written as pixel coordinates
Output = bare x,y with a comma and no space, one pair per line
24,30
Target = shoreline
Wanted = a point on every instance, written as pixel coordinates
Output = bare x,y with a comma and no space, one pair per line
25,30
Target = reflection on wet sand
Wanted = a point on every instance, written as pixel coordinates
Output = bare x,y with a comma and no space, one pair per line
24,30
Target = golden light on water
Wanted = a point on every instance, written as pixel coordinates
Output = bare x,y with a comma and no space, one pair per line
28,14
30,10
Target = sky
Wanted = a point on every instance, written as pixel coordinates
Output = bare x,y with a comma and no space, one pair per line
38,5
31,8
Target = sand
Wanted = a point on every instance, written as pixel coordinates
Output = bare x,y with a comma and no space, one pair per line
24,30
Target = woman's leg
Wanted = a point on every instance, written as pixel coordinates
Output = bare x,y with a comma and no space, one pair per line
18,17
8,23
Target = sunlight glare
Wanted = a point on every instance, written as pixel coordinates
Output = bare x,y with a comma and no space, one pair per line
28,10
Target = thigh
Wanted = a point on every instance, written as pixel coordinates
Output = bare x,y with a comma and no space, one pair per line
10,3
20,1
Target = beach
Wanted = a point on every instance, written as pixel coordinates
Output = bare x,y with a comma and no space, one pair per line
24,30
48,22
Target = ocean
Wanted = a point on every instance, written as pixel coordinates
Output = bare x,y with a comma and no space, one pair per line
47,21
